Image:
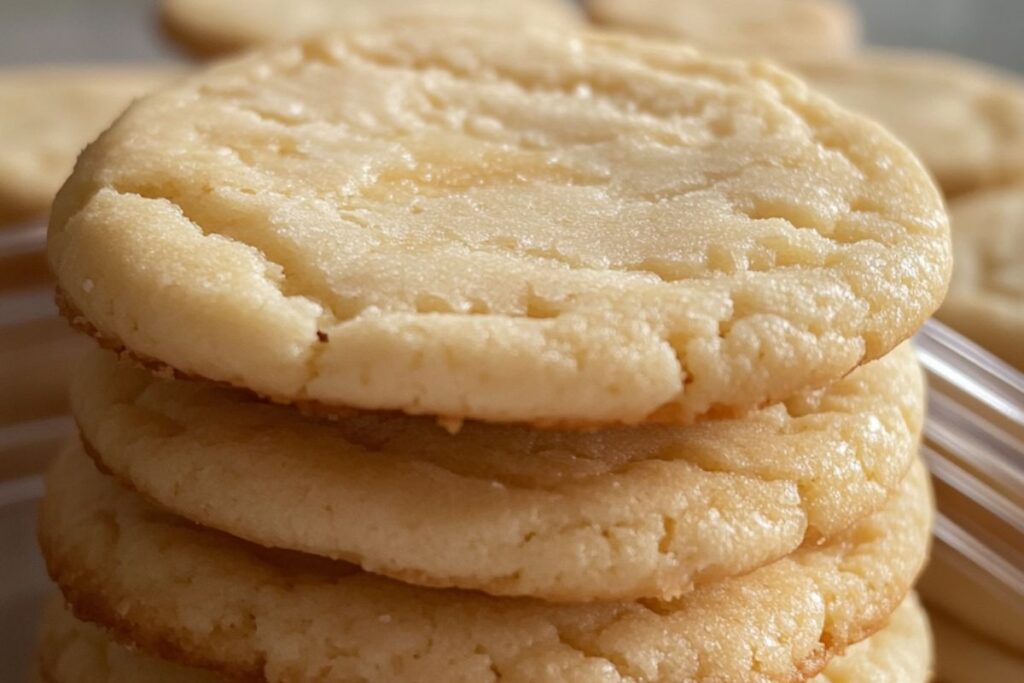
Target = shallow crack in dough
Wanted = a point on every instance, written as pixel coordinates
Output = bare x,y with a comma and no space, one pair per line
600,249
72,651
618,513
207,599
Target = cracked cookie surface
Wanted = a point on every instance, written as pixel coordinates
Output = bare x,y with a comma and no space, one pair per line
516,226
964,120
72,651
214,27
615,514
208,599
47,115
764,28
986,295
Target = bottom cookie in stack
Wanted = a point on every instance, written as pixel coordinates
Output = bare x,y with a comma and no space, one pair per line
72,651
205,599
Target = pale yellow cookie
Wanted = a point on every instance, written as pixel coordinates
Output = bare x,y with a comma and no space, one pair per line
615,514
510,225
72,651
211,600
771,28
986,297
962,656
899,653
964,120
213,27
48,115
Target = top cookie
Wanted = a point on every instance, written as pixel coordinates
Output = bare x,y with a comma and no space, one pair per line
213,27
47,115
776,28
986,297
473,222
965,120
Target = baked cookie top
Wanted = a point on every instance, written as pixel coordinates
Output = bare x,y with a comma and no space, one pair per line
770,28
214,27
964,120
986,296
518,226
207,599
635,512
72,651
48,114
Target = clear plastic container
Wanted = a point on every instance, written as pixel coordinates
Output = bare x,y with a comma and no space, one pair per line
974,446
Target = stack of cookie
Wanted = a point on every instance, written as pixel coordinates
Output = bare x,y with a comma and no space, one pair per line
587,359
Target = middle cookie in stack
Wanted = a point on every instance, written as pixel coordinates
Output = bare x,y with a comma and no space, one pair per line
699,259
622,513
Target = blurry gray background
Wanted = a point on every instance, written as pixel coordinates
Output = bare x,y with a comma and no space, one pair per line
34,31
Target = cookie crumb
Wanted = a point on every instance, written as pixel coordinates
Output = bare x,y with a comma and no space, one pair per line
452,425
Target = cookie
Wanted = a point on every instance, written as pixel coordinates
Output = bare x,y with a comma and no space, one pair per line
72,651
207,599
899,653
47,115
964,656
771,28
964,120
986,296
517,226
215,27
621,513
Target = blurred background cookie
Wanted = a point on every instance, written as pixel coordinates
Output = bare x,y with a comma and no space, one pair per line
763,28
986,296
213,27
48,114
963,119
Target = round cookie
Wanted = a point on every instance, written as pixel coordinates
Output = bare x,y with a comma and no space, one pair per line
899,653
210,600
215,27
616,514
73,651
47,115
771,28
986,296
516,226
964,120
